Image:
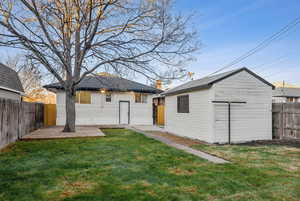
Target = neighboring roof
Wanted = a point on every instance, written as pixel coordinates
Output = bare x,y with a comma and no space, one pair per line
207,82
110,83
9,80
286,92
280,84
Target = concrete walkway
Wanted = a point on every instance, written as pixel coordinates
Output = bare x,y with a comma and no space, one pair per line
55,132
187,149
149,128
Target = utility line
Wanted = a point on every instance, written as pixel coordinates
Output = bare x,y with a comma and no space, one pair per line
261,45
278,60
280,72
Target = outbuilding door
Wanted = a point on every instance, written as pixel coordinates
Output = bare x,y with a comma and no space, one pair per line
124,112
239,127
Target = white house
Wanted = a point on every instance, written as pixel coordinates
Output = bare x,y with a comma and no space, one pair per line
107,100
10,84
235,106
286,95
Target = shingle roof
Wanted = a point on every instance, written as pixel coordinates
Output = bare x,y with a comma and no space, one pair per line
207,82
286,92
109,83
9,79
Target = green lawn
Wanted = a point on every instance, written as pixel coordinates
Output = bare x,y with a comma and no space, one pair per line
127,166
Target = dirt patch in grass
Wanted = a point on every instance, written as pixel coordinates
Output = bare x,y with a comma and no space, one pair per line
7,148
177,139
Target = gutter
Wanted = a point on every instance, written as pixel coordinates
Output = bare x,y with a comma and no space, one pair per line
12,90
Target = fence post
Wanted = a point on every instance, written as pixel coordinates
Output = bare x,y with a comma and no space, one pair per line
282,121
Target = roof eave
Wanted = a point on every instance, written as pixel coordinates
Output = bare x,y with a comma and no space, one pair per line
248,71
56,88
187,90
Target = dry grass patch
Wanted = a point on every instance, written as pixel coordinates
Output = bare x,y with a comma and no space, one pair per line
290,167
150,192
181,172
188,189
127,187
73,188
140,158
145,183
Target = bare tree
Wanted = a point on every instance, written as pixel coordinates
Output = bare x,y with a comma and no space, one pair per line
76,37
29,75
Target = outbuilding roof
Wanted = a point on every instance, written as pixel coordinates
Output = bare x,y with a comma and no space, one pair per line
110,83
286,92
9,79
207,82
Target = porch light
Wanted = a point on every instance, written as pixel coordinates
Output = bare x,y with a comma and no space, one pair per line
102,91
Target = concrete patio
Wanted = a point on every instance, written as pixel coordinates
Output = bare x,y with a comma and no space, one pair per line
55,132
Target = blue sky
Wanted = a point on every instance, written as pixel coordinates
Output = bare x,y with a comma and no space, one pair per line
229,28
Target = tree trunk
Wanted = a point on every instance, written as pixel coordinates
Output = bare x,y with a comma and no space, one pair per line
70,110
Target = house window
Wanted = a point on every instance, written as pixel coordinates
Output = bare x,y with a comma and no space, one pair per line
183,104
292,99
108,97
140,98
83,97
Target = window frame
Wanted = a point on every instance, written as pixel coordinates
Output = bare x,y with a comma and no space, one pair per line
142,97
183,107
110,97
78,97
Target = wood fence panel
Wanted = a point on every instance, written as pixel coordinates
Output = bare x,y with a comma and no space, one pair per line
286,120
18,119
50,114
161,115
9,110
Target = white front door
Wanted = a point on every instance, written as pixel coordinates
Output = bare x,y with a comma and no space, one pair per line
124,112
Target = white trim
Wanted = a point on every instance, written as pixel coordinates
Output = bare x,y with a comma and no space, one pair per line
12,90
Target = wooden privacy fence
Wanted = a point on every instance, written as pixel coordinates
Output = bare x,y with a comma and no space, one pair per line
286,120
18,119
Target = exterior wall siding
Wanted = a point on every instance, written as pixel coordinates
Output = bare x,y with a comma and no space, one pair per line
102,112
197,124
250,121
9,95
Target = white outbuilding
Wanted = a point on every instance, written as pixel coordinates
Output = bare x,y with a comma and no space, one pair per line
230,107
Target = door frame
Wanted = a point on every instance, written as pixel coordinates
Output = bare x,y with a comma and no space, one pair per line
120,110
